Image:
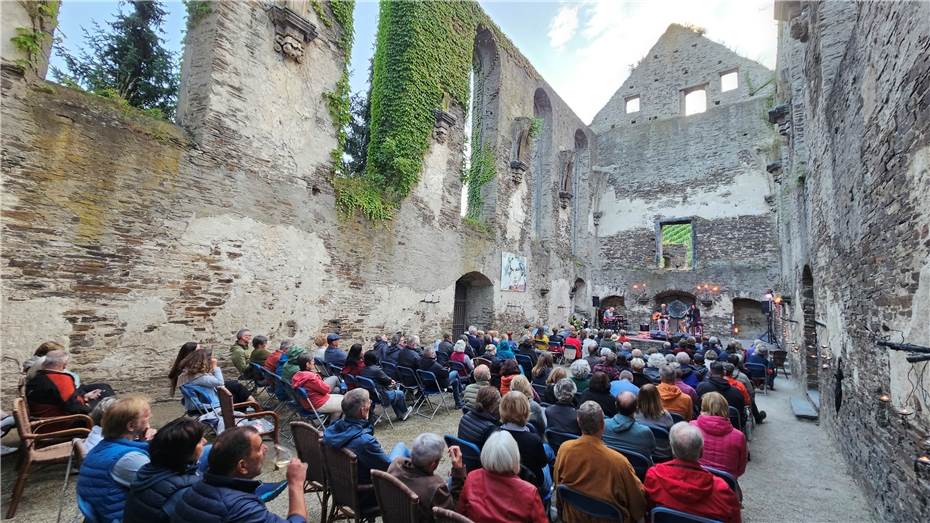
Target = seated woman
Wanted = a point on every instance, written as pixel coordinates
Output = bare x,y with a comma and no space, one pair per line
159,484
515,415
239,391
557,374
581,374
599,392
505,352
724,446
561,417
542,368
459,356
318,392
199,368
354,362
650,412
482,421
495,492
608,365
537,415
509,370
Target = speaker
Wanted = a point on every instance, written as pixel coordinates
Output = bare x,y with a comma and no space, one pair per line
595,301
766,307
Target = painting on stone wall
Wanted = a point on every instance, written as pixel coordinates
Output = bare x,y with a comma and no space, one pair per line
513,272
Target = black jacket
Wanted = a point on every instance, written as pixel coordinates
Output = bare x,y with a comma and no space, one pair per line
562,418
733,396
431,365
532,454
604,399
376,374
150,492
477,427
527,350
408,357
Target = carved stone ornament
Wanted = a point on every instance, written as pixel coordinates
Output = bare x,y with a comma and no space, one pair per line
517,170
291,32
564,198
445,121
597,217
799,28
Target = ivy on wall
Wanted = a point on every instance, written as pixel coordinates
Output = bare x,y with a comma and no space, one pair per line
338,100
32,40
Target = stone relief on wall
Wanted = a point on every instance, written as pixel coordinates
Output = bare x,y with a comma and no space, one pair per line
291,32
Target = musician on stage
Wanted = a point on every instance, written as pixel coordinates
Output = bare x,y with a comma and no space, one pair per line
695,327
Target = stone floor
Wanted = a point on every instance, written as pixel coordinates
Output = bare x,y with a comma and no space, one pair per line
786,481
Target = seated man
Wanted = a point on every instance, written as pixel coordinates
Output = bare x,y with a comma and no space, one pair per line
623,432
588,466
447,379
526,348
260,351
408,356
418,473
624,384
682,484
54,391
482,376
761,357
111,466
375,373
334,355
718,383
240,352
482,420
227,491
355,433
673,399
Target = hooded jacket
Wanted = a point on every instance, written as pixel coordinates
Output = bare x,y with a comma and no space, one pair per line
724,446
155,493
218,499
674,400
290,366
358,436
317,390
733,396
623,432
685,486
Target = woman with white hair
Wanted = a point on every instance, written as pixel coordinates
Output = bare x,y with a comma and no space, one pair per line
655,362
581,374
458,355
495,492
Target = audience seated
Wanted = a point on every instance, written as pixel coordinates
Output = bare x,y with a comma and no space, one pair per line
289,367
388,386
240,351
624,384
482,377
739,373
717,383
408,356
623,431
561,416
96,433
318,390
495,493
259,354
724,446
509,370
354,362
608,365
673,399
227,492
728,370
392,351
201,369
581,374
271,362
541,369
482,420
177,367
515,414
599,392
650,412
458,355
588,466
418,473
681,484
526,348
333,354
639,378
537,415
160,484
110,468
761,356
447,379
54,391
557,374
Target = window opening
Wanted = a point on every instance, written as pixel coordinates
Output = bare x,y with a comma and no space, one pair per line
466,147
676,245
632,105
729,81
695,101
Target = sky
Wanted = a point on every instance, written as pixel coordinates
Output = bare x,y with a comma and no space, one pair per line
583,48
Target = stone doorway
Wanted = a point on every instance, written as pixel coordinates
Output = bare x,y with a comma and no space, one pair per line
811,348
749,322
474,303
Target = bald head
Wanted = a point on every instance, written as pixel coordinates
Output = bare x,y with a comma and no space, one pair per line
626,403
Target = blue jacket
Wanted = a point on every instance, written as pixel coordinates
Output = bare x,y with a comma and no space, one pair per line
618,386
333,355
96,485
155,493
358,436
623,432
221,499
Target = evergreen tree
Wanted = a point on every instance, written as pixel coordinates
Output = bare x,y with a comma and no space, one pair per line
357,135
128,60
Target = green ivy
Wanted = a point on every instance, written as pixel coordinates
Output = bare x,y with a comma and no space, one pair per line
338,100
32,40
357,193
536,126
197,10
481,172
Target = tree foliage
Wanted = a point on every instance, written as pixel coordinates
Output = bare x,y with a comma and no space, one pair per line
128,59
357,136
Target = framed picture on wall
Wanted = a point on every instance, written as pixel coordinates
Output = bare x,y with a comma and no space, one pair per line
513,272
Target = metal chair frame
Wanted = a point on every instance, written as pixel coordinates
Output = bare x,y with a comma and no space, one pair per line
754,370
430,389
378,397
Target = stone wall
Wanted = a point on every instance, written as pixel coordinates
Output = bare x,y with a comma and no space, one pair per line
853,214
708,168
125,237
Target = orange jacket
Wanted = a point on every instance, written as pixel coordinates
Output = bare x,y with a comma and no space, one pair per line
740,387
674,400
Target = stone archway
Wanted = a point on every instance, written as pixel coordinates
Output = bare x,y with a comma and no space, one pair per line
474,302
811,348
749,322
579,296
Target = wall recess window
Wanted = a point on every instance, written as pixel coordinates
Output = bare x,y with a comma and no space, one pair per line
632,104
695,100
675,245
729,81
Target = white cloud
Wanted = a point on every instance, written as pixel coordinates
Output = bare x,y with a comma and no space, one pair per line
563,26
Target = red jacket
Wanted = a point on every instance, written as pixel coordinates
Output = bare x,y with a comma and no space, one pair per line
52,393
491,498
684,486
271,362
317,389
724,446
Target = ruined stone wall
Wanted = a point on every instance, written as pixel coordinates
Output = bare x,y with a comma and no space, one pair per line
709,168
124,237
852,193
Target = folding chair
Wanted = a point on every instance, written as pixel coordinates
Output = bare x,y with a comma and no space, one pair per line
471,454
342,478
526,363
322,367
779,357
735,418
459,367
596,508
556,438
443,515
758,374
407,378
300,404
640,462
667,515
430,387
378,397
729,478
398,503
231,418
264,383
309,443
390,368
540,389
481,361
676,417
206,404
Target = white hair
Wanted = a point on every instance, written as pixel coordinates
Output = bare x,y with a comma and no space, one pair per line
605,351
55,358
656,360
683,358
472,329
637,364
501,454
686,441
580,369
426,449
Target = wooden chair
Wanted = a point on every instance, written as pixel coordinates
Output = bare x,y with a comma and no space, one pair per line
779,357
231,418
30,454
309,443
342,479
444,515
398,503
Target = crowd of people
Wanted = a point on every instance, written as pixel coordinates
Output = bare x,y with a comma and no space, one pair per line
682,407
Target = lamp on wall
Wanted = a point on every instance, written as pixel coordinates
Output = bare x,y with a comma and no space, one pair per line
707,293
639,293
881,414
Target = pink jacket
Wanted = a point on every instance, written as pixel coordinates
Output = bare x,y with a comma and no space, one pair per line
724,446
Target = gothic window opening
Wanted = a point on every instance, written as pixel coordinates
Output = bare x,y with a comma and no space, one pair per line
675,242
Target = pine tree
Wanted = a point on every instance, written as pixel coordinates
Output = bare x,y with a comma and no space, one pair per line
127,61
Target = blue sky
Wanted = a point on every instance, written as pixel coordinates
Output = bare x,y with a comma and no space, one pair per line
584,49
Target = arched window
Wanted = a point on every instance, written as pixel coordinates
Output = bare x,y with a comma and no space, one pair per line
542,164
482,121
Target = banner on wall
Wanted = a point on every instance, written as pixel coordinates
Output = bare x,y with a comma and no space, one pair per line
513,272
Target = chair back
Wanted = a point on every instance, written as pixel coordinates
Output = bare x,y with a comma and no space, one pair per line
481,361
202,398
471,454
526,363
23,427
459,367
676,417
593,507
667,515
659,433
398,503
733,414
407,376
429,382
309,443
374,392
640,462
540,390
729,478
390,368
556,438
226,407
321,366
444,515
342,477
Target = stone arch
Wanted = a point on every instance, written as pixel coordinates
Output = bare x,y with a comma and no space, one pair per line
811,348
474,302
542,164
484,111
749,321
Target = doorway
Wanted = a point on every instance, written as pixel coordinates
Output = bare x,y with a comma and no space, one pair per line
812,349
474,303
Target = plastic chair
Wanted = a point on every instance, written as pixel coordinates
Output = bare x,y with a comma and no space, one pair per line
398,503
593,507
640,462
556,438
231,418
443,515
430,387
30,454
729,478
378,397
471,454
342,479
758,375
267,384
667,515
309,443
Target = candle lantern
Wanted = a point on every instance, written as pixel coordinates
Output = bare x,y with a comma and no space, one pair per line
881,413
922,467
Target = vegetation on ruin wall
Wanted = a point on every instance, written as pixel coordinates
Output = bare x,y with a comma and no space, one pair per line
32,40
423,52
338,100
197,10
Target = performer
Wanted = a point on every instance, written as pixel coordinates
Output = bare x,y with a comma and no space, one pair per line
609,318
663,319
695,327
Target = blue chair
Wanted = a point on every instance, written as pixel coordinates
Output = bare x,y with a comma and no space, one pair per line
758,375
265,384
460,368
378,397
556,438
593,507
735,418
726,476
206,404
322,367
407,378
667,515
298,401
660,434
526,363
429,386
640,462
390,369
676,417
86,510
471,454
